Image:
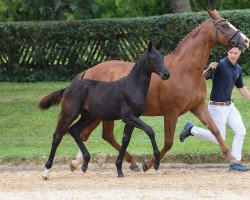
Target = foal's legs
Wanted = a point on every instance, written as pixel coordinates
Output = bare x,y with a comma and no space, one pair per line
136,122
169,128
75,130
125,142
84,137
107,135
64,121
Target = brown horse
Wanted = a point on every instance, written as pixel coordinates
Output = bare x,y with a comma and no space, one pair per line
184,91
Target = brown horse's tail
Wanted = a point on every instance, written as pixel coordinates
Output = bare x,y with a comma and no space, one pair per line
51,99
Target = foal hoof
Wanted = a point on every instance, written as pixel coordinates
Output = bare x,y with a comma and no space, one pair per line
156,166
135,168
72,167
84,169
121,175
144,166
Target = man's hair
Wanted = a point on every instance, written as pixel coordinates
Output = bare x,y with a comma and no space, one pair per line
236,47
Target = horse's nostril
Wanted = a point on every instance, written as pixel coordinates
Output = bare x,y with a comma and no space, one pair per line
166,75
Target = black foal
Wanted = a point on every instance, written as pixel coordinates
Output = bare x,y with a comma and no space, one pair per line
122,99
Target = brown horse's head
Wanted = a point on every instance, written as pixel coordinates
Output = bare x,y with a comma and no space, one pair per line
226,33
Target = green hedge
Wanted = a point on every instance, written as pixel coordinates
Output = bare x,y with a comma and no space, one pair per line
57,51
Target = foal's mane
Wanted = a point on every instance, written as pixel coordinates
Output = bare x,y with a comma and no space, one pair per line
138,62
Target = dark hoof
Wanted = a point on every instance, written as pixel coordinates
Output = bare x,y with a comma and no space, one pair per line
84,169
72,167
121,175
144,166
135,168
156,166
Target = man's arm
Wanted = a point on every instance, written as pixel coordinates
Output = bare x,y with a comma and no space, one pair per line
244,92
208,73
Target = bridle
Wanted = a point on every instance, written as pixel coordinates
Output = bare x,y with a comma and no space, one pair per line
231,43
230,39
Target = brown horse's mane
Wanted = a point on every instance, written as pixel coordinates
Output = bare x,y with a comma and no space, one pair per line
190,34
180,44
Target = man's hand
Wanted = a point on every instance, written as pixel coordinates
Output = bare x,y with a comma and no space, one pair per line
213,65
208,73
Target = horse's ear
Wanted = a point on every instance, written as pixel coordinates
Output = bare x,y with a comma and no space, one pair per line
150,46
209,5
214,14
158,46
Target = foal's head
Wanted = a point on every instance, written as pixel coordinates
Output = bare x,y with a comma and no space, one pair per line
226,33
155,62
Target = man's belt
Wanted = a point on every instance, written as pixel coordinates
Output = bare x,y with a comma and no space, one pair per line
216,103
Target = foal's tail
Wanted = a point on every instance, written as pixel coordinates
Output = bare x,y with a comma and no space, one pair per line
51,99
55,98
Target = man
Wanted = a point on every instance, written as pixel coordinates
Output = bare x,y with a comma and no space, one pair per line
226,75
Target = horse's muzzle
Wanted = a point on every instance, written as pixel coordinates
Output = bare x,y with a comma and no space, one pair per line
165,76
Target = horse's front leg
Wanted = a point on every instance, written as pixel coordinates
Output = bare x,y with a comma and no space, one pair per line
202,113
169,128
125,142
108,135
136,122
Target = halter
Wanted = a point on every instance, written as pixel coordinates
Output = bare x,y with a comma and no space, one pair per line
229,38
231,42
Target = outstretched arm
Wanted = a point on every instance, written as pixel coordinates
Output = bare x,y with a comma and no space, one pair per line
244,92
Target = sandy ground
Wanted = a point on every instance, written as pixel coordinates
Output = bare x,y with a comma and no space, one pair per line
171,181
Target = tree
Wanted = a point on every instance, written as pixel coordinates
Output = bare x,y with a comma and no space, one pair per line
180,6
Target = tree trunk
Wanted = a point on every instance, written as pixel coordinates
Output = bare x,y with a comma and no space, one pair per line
179,6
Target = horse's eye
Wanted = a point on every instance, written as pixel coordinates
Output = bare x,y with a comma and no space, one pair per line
225,25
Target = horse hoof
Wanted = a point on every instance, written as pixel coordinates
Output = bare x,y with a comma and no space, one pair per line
72,167
45,178
156,166
135,168
144,166
84,169
121,175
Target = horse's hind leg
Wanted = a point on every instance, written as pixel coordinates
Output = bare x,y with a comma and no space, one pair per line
125,142
84,137
75,131
62,126
108,135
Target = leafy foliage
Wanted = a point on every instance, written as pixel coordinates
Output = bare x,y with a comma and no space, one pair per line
57,51
38,10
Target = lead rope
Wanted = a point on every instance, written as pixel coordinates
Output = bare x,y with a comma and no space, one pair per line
209,73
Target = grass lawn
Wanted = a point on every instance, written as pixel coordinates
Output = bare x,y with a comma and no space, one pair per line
26,132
